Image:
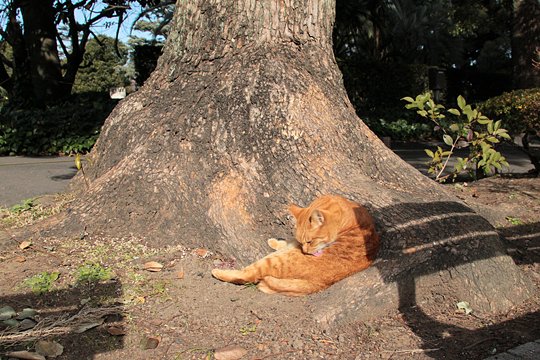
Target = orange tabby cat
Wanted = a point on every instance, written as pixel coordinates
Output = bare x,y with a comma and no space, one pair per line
335,238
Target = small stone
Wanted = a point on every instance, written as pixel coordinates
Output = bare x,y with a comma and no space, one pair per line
10,323
26,314
49,349
7,312
27,324
298,344
341,338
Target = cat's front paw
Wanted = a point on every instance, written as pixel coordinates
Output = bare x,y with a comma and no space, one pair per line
277,244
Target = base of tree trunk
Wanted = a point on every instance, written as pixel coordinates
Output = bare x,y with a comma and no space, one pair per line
209,154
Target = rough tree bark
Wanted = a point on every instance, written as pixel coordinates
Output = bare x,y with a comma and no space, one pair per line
247,113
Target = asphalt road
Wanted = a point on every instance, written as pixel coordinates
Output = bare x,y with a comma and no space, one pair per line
27,177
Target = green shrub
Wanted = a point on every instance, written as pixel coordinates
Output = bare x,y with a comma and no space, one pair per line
93,273
463,127
69,126
519,110
42,282
399,129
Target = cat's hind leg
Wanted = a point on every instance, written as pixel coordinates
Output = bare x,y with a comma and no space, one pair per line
234,276
290,287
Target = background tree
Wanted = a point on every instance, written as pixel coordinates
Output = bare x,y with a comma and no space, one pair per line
154,20
525,43
102,68
36,30
246,113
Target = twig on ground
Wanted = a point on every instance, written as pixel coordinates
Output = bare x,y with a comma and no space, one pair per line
412,351
57,325
276,354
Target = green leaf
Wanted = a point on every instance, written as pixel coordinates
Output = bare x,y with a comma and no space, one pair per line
448,140
497,125
454,112
490,127
505,136
461,102
454,127
429,153
78,161
484,122
408,98
422,113
463,305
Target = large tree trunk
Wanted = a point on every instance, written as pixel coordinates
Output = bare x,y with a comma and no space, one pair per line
36,77
40,39
247,113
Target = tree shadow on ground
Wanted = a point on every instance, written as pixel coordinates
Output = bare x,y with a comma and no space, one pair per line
63,315
452,240
67,176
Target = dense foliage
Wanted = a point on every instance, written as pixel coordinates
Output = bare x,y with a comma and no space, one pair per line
519,110
103,66
69,126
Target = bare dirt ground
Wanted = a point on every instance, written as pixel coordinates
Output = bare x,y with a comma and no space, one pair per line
181,312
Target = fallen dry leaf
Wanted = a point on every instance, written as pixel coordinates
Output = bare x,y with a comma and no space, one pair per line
152,266
27,355
150,342
25,244
231,352
116,330
201,252
180,274
20,259
139,300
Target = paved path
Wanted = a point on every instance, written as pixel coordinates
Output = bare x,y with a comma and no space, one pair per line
26,177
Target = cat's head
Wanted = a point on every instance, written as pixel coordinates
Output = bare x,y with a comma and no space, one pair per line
316,227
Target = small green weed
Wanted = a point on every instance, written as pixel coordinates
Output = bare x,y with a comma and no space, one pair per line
31,210
25,205
514,220
42,282
93,273
251,286
246,330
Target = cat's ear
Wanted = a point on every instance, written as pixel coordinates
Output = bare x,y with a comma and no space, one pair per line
317,218
295,210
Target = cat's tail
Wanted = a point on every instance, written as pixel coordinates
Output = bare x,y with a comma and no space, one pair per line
289,287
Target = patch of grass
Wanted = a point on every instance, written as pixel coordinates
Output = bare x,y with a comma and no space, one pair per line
32,210
93,272
42,282
25,205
